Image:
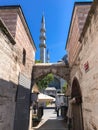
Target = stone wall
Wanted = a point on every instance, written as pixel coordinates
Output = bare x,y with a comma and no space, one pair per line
15,75
9,18
9,70
88,79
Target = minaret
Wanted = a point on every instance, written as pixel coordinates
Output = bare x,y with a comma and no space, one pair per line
43,41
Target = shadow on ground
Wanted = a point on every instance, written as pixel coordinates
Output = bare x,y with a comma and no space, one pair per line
53,124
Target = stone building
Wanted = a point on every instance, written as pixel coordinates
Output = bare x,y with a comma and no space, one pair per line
84,69
17,56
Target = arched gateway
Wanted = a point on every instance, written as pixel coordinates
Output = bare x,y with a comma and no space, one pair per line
77,118
42,69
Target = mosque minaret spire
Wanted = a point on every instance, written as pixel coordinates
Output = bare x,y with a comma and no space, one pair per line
42,44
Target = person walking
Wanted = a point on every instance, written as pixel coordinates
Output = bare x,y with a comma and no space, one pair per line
58,108
34,108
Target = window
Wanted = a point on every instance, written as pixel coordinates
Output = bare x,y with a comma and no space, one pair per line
24,57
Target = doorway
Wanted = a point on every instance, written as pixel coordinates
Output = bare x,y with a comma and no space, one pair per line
77,119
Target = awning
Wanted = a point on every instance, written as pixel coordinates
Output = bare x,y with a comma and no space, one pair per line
44,98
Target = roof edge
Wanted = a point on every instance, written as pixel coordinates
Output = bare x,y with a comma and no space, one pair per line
27,28
83,3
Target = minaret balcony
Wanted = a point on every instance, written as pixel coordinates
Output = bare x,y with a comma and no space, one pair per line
42,45
42,30
42,37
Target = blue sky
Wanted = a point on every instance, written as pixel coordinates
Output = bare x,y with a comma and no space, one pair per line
57,16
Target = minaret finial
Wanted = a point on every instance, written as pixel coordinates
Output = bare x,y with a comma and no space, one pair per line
43,19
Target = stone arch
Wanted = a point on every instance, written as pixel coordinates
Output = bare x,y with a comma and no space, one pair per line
77,119
40,70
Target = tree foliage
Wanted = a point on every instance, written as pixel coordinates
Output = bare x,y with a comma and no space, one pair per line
43,83
38,61
64,88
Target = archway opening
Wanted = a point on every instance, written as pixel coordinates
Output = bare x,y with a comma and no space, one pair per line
77,118
76,92
56,83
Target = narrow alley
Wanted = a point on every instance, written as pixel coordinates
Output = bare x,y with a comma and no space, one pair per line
55,69
50,121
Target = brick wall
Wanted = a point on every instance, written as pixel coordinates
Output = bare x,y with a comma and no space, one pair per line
78,19
15,22
23,42
9,18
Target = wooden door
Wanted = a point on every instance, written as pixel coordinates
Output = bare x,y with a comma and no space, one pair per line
77,121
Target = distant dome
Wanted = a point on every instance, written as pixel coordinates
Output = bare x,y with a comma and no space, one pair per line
65,59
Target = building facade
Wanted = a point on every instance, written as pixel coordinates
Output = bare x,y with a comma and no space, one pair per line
17,68
84,72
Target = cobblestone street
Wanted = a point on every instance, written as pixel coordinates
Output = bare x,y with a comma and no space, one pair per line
50,121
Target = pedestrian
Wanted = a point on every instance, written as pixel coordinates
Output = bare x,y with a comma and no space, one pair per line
34,108
57,109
